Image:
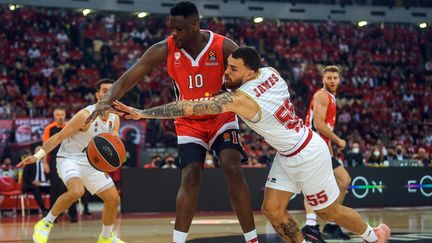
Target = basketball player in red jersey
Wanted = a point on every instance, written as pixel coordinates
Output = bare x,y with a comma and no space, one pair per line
321,118
195,60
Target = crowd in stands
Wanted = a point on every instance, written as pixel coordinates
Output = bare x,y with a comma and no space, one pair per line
53,57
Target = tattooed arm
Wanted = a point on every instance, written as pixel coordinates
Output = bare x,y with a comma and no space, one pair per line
226,102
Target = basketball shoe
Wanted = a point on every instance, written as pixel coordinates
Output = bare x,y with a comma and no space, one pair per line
112,239
312,233
41,231
334,231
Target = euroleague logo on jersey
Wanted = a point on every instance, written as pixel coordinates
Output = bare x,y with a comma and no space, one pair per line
212,58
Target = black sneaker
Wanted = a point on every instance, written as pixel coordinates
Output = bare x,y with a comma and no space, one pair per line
334,231
312,233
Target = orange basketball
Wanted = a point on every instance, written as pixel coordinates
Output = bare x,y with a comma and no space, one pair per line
106,152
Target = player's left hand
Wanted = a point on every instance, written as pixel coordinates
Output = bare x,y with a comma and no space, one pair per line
28,160
126,111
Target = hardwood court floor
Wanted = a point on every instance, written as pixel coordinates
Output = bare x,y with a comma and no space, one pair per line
209,227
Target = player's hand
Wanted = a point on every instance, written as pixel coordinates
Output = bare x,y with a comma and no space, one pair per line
341,144
36,183
102,109
126,111
28,160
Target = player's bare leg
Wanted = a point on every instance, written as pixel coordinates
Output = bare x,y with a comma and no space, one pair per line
343,181
351,220
187,196
238,190
111,201
274,208
75,190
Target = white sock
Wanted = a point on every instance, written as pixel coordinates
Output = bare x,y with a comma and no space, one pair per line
179,237
50,217
251,236
311,219
106,231
332,223
369,235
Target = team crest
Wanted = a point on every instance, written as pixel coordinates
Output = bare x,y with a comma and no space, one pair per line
212,55
226,137
177,56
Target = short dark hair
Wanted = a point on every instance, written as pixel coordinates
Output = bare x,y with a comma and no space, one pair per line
103,81
249,55
185,9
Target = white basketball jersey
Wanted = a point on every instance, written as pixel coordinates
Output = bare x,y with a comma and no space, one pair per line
276,121
74,146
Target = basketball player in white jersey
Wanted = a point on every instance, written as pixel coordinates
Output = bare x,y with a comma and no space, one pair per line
303,162
321,118
76,172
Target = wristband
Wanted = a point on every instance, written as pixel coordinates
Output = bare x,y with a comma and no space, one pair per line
40,154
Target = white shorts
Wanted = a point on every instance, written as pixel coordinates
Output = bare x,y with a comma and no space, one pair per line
310,171
95,181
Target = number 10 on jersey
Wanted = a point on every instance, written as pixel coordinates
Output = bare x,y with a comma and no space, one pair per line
196,81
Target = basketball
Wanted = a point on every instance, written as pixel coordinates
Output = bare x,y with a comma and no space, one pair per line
106,152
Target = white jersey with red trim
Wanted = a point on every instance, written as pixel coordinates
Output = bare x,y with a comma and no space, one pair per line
276,121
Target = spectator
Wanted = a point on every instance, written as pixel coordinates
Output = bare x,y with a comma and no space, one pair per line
354,156
169,162
399,153
154,162
7,168
423,158
376,157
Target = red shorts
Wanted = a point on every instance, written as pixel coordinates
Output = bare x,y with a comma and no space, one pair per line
204,131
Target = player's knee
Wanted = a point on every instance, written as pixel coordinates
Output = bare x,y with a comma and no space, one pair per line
330,213
113,200
271,210
76,193
191,176
344,182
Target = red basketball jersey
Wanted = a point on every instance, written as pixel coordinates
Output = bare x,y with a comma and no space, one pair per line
330,118
200,78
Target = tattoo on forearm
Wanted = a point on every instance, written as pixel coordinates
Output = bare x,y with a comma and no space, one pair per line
171,110
186,108
288,231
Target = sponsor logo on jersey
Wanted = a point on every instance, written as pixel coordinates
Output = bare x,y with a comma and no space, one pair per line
272,180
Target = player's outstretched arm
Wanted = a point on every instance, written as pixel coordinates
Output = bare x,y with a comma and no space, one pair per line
156,54
73,126
226,102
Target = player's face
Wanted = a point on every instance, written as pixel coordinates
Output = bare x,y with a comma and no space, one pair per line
182,29
235,73
102,91
331,81
59,116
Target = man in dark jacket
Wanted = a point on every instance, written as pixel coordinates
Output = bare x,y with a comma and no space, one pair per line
35,182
